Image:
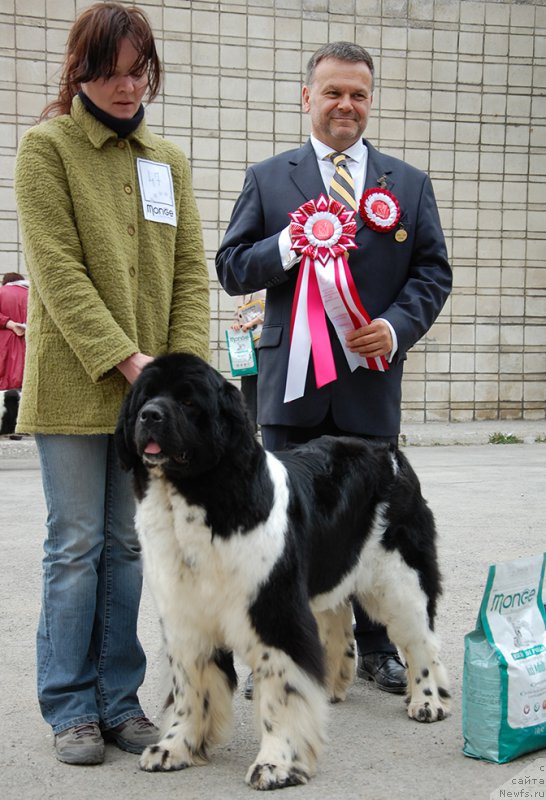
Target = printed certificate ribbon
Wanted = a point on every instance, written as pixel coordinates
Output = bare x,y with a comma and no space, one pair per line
323,231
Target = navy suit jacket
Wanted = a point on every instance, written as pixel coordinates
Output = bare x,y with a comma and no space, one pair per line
406,283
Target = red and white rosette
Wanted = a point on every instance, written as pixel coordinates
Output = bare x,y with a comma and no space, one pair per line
380,210
323,231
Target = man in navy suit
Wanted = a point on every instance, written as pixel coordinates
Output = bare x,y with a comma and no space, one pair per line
402,277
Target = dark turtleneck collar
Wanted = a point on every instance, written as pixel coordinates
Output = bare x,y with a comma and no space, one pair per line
123,127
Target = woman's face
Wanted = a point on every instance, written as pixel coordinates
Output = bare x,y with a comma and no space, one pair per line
121,95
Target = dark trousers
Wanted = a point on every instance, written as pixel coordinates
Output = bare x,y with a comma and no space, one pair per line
370,637
249,389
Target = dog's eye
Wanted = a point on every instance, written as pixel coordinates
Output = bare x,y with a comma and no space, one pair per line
187,401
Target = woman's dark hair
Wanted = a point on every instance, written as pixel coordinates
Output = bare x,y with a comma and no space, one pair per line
93,47
343,51
11,277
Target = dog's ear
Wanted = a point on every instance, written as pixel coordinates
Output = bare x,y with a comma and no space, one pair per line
235,420
232,402
124,439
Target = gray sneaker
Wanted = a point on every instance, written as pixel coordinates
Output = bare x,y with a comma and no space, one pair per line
134,735
82,744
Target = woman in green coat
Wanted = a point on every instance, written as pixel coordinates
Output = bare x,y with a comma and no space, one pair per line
113,246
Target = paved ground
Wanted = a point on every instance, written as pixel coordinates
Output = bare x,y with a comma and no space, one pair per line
490,505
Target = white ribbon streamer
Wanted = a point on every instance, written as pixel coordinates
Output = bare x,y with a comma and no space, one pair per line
300,349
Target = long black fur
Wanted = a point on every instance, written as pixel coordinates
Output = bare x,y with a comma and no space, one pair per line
9,409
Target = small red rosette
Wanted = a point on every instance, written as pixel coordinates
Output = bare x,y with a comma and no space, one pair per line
380,210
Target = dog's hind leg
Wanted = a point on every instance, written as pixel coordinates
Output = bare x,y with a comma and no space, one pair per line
336,634
198,713
291,707
396,599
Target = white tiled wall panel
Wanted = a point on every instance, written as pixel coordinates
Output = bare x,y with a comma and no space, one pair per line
461,93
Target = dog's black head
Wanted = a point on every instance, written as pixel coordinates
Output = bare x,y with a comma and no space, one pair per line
181,416
184,421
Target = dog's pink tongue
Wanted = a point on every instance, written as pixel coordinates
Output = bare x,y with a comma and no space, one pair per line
152,447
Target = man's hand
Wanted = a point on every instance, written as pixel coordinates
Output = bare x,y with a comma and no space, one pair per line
372,340
248,326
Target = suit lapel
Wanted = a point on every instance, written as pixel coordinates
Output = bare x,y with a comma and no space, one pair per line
375,170
305,173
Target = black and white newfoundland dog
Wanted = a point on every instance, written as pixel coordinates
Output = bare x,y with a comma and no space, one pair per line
259,554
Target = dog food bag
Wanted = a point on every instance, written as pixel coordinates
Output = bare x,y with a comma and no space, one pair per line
242,355
504,677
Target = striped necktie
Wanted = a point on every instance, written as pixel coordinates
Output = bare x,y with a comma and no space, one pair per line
342,187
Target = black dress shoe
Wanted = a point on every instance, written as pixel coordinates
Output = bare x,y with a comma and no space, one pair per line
248,691
385,669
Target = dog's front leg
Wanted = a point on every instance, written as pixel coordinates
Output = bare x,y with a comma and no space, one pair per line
291,707
198,713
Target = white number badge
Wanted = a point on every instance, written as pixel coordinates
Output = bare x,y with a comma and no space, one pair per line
156,191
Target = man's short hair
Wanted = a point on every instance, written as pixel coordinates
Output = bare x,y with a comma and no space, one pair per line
343,51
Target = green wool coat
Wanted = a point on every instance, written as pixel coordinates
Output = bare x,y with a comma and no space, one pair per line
105,282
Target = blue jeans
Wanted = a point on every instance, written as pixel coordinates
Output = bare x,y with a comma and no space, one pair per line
90,661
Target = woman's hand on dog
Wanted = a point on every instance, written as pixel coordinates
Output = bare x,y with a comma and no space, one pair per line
131,367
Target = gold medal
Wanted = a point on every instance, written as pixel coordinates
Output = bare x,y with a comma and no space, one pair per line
401,235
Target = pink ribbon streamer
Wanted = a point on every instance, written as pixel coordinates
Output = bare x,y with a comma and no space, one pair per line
323,358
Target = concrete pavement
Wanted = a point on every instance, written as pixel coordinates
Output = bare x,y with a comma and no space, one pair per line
490,505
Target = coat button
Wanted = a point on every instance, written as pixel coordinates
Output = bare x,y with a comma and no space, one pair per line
121,144
128,189
131,230
132,272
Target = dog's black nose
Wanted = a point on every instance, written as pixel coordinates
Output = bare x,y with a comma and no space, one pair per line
151,412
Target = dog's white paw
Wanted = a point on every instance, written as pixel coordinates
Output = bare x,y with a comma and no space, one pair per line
428,710
157,758
275,776
429,700
338,695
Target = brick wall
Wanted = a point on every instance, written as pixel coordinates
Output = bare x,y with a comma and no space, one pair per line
460,93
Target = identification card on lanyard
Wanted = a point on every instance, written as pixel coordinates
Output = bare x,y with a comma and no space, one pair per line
156,191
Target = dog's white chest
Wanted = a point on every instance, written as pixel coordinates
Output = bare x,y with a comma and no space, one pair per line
190,571
174,535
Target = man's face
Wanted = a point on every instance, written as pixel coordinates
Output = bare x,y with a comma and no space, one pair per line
338,101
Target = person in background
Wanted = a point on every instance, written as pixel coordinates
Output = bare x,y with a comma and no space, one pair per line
400,277
114,249
249,316
13,323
